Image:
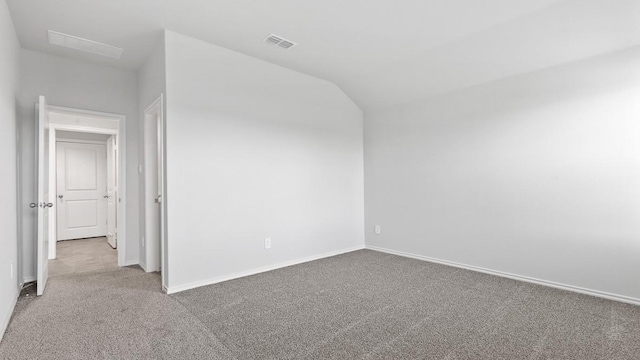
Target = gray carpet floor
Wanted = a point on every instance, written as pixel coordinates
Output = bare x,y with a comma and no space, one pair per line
74,256
360,305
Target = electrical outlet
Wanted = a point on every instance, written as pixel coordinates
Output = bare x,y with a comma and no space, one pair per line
267,243
377,229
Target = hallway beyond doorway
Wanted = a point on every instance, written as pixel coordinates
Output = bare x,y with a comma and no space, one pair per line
76,256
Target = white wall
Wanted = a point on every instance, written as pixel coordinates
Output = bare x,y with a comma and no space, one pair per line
9,72
255,150
76,84
536,175
72,135
151,84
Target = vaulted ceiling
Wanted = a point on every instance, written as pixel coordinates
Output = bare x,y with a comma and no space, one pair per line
380,52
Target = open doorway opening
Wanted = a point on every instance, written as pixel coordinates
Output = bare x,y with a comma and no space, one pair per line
153,240
86,194
81,195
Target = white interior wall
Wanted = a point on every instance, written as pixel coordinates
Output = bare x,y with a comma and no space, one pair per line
255,150
76,84
536,175
9,72
72,135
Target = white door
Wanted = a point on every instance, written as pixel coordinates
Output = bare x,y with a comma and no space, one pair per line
44,202
82,190
153,175
112,191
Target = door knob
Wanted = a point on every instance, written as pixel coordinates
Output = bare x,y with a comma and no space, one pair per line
60,196
48,205
106,196
33,205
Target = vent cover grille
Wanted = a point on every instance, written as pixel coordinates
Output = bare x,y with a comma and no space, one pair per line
90,46
279,41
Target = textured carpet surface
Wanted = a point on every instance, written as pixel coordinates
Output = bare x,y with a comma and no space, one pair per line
361,305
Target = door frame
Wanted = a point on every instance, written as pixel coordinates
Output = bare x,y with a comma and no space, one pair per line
120,133
43,194
156,109
112,186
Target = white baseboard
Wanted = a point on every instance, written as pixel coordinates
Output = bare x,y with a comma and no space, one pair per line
28,279
175,289
130,263
5,322
577,289
143,266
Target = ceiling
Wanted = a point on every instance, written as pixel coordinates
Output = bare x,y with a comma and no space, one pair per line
380,52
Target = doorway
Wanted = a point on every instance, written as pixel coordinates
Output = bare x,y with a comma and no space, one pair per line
81,172
86,215
86,177
153,239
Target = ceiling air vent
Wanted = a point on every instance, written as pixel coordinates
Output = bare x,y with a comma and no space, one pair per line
279,41
90,46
